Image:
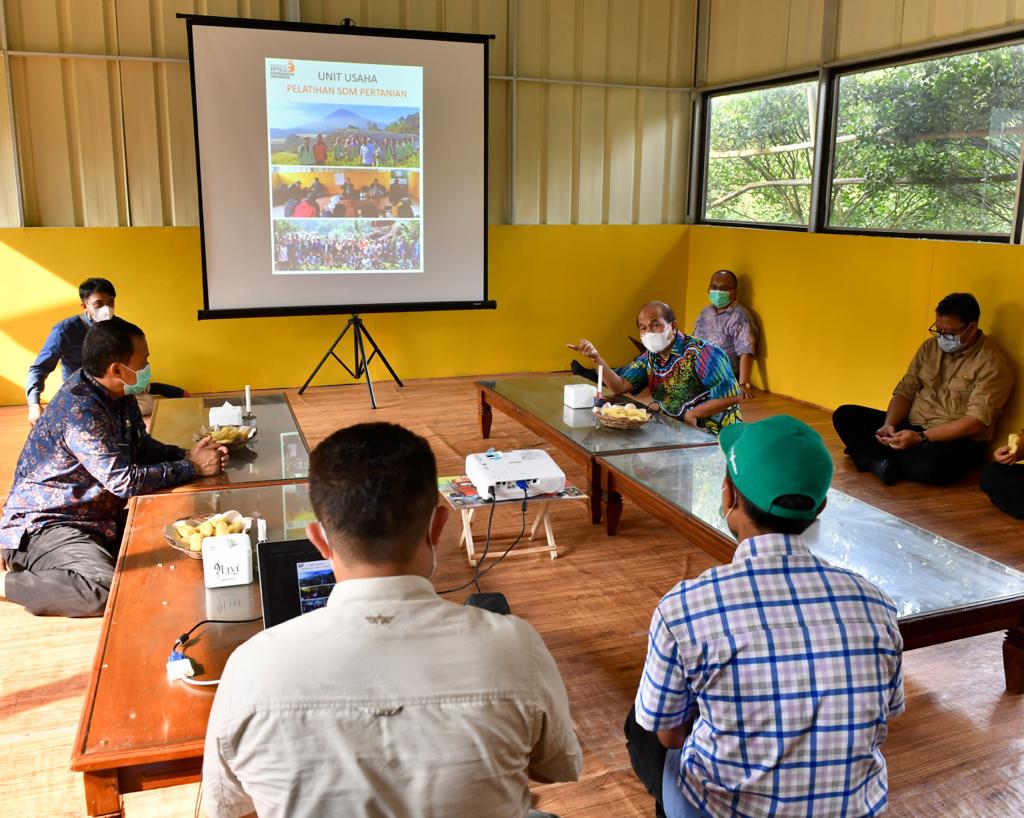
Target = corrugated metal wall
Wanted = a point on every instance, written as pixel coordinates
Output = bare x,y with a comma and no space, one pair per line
110,142
590,99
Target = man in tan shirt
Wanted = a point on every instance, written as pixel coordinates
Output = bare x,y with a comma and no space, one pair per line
387,701
942,413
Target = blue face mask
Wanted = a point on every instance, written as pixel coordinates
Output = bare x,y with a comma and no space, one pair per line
141,381
950,344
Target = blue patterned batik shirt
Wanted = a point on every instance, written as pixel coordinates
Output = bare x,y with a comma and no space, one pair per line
693,372
86,455
792,668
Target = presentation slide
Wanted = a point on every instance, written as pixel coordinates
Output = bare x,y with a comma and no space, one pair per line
345,166
340,170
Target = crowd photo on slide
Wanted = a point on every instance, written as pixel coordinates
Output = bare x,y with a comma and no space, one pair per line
322,245
318,134
348,194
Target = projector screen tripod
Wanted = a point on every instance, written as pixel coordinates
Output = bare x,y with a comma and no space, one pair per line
360,338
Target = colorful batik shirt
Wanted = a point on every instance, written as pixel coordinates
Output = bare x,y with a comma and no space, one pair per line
86,455
793,669
695,371
732,330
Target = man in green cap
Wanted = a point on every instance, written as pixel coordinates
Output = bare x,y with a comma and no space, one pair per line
770,681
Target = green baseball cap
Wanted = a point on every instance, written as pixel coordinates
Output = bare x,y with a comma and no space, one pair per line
775,457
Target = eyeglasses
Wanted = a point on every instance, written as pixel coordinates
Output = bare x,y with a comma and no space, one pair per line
949,336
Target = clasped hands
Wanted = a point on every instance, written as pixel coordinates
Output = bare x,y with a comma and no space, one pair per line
906,439
208,457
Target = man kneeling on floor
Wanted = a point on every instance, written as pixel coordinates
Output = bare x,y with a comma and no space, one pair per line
389,700
770,681
943,411
86,455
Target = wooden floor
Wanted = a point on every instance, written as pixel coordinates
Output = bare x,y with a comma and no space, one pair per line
958,751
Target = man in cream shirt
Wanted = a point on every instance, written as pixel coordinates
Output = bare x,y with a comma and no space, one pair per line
388,701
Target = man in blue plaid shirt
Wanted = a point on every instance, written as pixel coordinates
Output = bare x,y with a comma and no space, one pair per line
770,681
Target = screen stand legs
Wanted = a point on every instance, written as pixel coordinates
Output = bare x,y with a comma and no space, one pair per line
361,339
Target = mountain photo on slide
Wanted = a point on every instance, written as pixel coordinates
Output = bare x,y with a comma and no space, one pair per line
343,129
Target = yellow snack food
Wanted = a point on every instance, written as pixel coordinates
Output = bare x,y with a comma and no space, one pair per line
195,542
222,529
206,529
237,527
1013,443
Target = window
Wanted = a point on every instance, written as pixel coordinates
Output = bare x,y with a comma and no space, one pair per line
761,155
931,146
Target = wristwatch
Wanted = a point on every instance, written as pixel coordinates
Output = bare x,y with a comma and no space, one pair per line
923,438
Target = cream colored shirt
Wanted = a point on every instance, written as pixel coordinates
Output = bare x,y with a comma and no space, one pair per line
388,701
943,387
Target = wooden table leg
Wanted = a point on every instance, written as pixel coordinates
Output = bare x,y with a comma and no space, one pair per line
486,415
612,502
103,794
1013,659
594,490
467,535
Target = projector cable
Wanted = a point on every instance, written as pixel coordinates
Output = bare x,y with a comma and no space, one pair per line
180,667
477,573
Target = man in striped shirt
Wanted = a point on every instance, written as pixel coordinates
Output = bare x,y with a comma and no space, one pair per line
770,681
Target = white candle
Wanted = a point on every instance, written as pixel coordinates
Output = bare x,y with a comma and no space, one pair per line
248,400
600,373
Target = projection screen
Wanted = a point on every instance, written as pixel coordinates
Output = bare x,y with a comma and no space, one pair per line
340,169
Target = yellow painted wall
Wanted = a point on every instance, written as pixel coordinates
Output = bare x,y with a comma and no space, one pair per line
552,285
841,316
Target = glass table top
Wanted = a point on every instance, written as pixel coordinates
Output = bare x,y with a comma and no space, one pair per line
541,396
923,572
277,452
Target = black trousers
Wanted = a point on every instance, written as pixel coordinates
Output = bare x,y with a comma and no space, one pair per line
935,463
647,755
1004,486
165,390
60,571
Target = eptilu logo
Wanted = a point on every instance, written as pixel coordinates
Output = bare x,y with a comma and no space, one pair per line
282,70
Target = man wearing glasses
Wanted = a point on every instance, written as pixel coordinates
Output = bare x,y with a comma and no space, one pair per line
942,413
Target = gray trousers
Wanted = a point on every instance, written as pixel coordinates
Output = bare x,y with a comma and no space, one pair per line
60,571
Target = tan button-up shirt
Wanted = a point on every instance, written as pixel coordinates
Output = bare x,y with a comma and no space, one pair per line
388,701
944,387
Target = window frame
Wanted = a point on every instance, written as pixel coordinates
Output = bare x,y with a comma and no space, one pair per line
828,76
705,96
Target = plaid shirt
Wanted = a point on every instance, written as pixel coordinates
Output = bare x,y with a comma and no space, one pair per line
792,668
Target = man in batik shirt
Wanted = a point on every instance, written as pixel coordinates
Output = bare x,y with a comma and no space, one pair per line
688,378
86,455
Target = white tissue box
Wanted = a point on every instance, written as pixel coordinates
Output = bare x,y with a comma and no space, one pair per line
579,395
226,415
227,560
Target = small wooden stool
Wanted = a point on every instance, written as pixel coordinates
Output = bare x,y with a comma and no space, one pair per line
462,496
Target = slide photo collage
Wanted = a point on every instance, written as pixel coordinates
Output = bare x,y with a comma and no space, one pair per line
346,180
315,583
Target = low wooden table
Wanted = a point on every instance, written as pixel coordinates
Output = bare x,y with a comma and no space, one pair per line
278,453
138,731
537,403
942,590
462,496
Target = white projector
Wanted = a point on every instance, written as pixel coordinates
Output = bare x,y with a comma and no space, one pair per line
504,471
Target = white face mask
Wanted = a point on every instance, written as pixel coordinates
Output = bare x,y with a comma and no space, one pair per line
104,313
657,341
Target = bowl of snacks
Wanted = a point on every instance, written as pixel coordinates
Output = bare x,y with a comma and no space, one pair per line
188,535
622,416
233,437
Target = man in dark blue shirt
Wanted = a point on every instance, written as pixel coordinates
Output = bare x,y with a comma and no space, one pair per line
65,340
85,457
